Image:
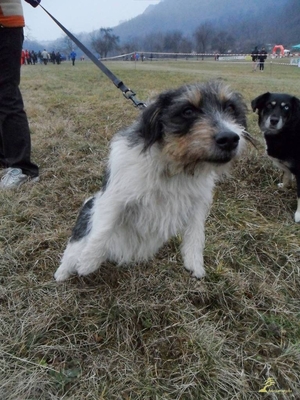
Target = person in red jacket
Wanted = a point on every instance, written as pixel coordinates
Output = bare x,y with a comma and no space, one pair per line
27,57
23,57
15,141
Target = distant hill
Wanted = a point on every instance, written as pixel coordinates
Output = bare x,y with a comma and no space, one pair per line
250,21
186,15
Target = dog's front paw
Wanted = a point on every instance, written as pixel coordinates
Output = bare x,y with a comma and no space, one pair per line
282,186
62,274
199,273
195,267
297,216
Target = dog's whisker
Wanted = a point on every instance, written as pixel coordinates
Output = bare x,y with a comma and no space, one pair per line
250,138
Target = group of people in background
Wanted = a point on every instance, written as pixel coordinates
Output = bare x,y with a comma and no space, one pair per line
43,57
29,57
258,58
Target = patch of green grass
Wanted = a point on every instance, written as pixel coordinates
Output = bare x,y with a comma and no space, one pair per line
148,331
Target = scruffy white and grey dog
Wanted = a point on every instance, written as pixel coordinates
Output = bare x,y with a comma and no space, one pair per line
160,178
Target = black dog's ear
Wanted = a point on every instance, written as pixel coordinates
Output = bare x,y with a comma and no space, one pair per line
295,103
260,101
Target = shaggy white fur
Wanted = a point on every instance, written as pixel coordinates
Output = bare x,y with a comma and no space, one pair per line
158,190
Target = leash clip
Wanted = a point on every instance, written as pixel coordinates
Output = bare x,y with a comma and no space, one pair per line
130,95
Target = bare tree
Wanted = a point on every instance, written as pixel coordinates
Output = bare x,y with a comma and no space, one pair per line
129,47
104,41
153,42
172,41
186,45
68,45
223,42
203,35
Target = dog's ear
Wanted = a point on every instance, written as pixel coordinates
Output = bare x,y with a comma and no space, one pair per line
260,101
151,129
295,103
151,122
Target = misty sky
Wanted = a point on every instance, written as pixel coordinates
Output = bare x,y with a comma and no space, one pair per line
79,16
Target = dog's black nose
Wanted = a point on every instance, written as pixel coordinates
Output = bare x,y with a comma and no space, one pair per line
274,120
227,140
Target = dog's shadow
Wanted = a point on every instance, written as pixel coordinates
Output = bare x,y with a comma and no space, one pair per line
108,275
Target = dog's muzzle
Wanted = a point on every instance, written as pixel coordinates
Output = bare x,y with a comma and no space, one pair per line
273,123
227,141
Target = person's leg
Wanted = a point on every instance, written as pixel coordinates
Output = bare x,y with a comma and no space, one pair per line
15,142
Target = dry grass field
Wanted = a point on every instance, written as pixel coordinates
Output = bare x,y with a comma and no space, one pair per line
151,331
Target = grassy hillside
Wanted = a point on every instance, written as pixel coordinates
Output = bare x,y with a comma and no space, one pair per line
151,331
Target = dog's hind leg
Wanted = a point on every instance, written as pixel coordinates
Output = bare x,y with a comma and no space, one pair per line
297,213
105,217
69,261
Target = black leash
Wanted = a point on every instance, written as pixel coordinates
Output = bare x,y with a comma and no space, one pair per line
128,93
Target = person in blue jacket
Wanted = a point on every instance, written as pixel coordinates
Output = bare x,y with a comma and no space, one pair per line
73,57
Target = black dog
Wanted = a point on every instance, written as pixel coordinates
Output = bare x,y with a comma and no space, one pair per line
279,120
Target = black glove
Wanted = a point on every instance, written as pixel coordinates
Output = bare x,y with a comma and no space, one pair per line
34,3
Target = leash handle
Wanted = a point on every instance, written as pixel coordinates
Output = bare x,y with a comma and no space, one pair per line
128,93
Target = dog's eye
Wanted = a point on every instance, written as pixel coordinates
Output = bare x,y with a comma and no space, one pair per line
188,112
230,108
286,108
269,106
